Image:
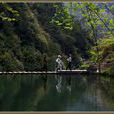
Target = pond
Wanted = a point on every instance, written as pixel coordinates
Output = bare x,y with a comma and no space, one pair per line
56,93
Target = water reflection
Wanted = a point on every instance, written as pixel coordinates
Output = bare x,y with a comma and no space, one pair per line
59,83
45,78
56,93
68,84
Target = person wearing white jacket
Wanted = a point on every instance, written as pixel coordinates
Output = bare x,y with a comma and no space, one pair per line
59,63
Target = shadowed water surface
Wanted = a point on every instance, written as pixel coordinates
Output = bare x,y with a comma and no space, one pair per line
56,93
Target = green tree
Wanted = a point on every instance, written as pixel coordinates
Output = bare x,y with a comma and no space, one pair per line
7,13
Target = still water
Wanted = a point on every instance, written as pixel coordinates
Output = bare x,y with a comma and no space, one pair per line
56,93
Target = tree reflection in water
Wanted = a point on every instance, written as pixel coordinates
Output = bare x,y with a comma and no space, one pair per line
56,93
45,78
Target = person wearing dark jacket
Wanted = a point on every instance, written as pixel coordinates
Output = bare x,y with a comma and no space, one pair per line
69,61
44,68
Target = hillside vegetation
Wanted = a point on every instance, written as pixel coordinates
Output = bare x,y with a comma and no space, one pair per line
30,31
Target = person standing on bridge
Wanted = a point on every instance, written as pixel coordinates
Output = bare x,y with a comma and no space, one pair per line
44,68
69,62
59,63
